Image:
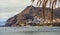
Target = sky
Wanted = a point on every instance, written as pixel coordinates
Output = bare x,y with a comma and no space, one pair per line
9,8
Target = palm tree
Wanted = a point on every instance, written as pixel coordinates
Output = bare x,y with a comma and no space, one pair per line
44,8
32,1
58,3
52,5
39,2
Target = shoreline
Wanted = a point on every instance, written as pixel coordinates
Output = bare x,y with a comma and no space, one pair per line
29,29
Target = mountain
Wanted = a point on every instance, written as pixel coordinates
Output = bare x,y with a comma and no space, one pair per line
28,13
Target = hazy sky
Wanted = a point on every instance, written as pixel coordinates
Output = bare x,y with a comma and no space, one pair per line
9,8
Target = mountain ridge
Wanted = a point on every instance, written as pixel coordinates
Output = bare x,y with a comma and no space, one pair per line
28,13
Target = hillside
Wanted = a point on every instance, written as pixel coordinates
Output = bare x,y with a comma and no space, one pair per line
28,13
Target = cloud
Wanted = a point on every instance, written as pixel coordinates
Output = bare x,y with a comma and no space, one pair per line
12,3
5,15
9,8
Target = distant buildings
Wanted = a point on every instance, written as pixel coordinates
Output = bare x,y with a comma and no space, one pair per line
38,20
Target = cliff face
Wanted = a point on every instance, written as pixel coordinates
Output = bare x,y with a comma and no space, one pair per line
28,13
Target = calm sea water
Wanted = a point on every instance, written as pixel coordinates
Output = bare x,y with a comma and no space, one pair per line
8,31
32,33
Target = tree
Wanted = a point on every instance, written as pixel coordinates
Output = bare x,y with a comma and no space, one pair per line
52,5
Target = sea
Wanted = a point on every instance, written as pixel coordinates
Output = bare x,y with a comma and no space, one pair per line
29,31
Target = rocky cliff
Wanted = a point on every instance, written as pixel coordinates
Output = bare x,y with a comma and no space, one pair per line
28,13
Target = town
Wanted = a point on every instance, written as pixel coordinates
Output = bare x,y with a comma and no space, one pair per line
41,22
